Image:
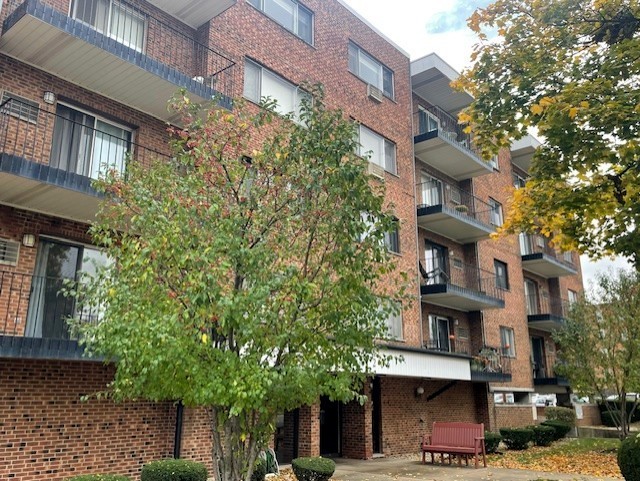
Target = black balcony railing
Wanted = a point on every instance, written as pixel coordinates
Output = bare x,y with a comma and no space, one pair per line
545,368
430,118
37,307
160,43
66,143
461,275
490,364
436,192
448,344
547,305
538,244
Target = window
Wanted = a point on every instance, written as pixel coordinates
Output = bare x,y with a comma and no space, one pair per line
436,268
392,239
9,252
379,150
370,70
568,257
114,19
87,145
440,332
427,122
531,296
518,181
260,82
20,107
573,297
493,162
291,15
496,212
507,340
394,321
502,274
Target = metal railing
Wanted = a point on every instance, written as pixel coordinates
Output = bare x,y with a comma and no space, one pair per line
461,275
171,45
35,306
436,192
68,142
544,368
538,244
430,118
490,360
552,305
451,345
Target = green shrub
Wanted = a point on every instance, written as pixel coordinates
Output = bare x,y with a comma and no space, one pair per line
173,470
99,477
492,441
543,435
609,418
567,415
313,469
516,438
259,470
561,428
629,458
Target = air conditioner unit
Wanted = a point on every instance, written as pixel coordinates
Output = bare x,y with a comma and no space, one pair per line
456,198
540,241
374,93
376,170
9,252
198,79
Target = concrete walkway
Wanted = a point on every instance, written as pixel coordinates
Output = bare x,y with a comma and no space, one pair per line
404,469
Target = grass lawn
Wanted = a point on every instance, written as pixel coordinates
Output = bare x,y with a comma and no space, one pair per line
586,456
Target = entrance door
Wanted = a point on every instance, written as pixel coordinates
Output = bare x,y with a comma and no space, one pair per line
330,423
436,263
531,295
431,190
440,332
537,350
376,421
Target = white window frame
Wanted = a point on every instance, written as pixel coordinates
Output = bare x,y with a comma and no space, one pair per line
388,237
378,156
498,263
572,296
434,333
395,327
496,216
507,338
297,6
360,54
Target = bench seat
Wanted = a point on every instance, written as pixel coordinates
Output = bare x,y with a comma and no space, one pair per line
461,439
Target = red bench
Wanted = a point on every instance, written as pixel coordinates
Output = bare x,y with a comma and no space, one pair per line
461,439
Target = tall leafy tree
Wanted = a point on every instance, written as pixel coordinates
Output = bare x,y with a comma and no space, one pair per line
248,277
571,70
600,345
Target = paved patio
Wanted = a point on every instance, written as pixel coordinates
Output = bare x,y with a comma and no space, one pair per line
403,469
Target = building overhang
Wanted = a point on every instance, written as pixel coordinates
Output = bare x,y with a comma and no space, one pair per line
453,224
458,298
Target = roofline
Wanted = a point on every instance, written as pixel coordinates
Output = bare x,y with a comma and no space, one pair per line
372,27
433,60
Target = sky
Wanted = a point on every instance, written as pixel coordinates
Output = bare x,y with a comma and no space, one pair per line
420,27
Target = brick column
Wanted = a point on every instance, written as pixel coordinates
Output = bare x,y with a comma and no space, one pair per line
357,441
309,431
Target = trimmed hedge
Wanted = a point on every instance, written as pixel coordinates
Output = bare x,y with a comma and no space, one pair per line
173,470
99,477
613,404
313,469
517,438
609,418
561,428
543,435
259,470
567,415
629,458
492,441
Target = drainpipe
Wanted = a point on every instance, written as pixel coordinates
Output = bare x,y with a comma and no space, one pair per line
177,442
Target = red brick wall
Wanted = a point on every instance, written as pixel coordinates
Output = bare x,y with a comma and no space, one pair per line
49,434
590,416
513,416
196,437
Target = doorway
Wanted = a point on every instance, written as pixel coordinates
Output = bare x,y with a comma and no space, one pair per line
376,416
537,351
330,427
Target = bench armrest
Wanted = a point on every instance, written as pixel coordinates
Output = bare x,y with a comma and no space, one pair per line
426,440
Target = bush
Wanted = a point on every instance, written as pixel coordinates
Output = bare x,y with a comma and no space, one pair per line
99,477
259,470
492,441
561,428
313,469
543,435
629,458
173,470
516,438
609,418
567,415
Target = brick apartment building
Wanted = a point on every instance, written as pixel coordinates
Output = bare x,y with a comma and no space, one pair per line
83,82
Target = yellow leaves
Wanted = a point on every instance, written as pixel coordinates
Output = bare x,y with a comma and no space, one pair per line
536,109
584,104
464,118
546,101
205,339
573,111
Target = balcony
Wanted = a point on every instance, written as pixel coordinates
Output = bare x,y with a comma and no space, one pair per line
544,373
193,12
542,259
453,213
442,144
490,365
546,313
522,151
420,363
461,287
48,161
128,55
33,314
448,345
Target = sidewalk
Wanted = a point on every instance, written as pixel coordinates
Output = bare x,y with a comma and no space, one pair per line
403,469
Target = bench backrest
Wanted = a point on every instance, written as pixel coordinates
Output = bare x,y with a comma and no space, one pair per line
456,434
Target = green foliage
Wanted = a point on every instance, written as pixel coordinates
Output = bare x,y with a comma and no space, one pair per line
313,469
543,435
561,428
259,470
600,341
564,68
173,470
517,438
258,251
629,458
99,477
610,418
559,413
492,441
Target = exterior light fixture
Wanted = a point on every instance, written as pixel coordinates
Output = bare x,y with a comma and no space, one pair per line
49,98
28,240
419,391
